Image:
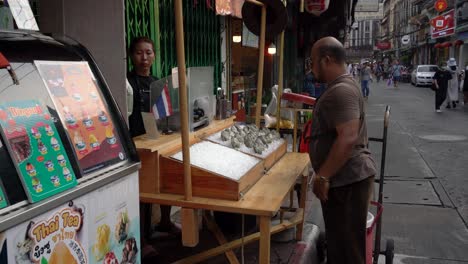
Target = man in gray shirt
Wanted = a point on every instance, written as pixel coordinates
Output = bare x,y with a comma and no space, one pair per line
365,78
344,168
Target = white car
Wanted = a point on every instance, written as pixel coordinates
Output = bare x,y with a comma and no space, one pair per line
423,74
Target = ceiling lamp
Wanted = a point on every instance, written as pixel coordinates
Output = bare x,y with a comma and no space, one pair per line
236,38
272,49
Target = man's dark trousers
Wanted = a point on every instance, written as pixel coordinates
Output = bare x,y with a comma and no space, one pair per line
345,215
440,95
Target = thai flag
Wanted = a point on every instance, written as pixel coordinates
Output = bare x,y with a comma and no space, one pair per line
163,107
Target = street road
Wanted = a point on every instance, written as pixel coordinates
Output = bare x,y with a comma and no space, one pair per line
426,190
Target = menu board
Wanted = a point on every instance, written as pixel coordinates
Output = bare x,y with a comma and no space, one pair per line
74,91
36,149
3,199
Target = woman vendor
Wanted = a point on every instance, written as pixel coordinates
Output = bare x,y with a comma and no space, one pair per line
142,55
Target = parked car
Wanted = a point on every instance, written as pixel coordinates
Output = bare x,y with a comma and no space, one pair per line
422,74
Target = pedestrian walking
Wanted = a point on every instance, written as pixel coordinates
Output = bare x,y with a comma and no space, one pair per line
365,78
464,86
344,168
440,84
396,73
453,86
350,68
379,72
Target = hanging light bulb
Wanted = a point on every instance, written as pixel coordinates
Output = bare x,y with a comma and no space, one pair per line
272,49
236,38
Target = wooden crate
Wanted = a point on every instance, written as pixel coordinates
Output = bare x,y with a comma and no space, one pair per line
206,183
273,157
268,161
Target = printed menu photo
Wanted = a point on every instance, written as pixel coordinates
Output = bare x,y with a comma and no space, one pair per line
36,149
3,200
74,91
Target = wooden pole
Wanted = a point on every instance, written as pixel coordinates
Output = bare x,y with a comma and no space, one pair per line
179,24
190,236
261,58
280,80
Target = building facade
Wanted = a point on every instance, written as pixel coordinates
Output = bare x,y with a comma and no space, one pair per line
364,33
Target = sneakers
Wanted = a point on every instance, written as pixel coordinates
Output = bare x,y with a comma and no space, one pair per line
438,111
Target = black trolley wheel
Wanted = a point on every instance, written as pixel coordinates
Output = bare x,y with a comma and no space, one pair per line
389,251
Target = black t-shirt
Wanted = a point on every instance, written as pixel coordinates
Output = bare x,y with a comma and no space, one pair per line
442,78
465,82
141,101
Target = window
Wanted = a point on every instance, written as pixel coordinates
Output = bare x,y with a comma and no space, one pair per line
366,25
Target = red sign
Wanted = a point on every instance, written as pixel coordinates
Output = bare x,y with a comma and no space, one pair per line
440,5
443,25
384,45
316,7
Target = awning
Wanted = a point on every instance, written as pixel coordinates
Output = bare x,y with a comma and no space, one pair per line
446,44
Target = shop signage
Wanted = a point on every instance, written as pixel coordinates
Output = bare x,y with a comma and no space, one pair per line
316,7
100,227
405,40
462,14
443,25
440,5
383,45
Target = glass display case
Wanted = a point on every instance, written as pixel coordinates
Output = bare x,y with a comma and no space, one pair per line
68,166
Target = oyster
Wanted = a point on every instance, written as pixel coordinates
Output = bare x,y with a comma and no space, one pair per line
240,138
258,148
276,135
235,143
225,135
264,140
253,127
249,142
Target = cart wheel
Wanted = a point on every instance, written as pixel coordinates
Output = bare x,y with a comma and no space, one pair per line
389,251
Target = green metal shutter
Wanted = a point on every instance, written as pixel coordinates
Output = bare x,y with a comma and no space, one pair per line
202,35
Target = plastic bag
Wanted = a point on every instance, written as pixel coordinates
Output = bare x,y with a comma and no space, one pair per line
223,7
287,116
390,81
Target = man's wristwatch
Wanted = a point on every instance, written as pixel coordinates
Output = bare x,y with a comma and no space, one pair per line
323,179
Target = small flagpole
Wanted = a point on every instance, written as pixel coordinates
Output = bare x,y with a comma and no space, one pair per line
167,131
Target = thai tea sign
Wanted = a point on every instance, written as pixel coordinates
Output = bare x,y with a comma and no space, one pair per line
443,25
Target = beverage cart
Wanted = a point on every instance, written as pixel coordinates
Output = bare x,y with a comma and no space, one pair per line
69,169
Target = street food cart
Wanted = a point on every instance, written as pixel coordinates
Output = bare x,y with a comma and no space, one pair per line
168,180
68,167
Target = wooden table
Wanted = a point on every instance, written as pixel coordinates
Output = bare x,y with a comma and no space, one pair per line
264,199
